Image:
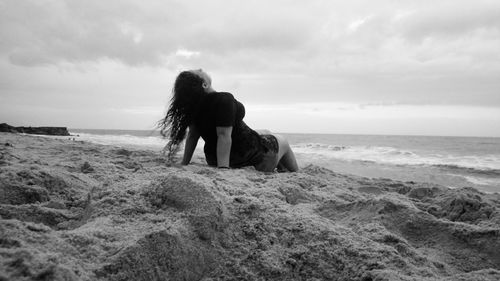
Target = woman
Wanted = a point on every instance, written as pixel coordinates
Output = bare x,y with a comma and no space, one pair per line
217,117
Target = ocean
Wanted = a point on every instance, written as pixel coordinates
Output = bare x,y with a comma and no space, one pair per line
449,161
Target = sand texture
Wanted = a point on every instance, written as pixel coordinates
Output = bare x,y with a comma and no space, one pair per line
78,211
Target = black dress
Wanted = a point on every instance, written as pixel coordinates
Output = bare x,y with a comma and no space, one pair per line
221,109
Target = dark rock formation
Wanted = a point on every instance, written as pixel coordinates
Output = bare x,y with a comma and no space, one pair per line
53,131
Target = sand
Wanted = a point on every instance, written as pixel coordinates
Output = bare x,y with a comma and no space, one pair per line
72,210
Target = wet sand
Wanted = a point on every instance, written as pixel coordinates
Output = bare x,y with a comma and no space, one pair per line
73,210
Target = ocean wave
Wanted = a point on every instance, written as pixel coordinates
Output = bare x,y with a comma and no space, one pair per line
483,181
151,142
321,146
484,171
156,143
486,165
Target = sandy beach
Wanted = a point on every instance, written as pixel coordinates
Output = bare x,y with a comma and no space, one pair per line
72,210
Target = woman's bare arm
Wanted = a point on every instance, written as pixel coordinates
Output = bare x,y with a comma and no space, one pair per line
191,142
224,142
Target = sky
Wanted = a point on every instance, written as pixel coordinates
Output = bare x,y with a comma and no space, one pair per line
319,66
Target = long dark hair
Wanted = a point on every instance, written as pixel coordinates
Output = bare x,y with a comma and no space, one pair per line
186,96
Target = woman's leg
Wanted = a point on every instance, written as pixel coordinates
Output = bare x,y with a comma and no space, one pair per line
286,158
269,162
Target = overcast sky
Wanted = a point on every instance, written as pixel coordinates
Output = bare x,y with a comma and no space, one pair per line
367,67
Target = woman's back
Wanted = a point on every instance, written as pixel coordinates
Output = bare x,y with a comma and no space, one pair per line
221,109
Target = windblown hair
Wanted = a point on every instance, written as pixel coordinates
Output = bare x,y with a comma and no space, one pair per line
186,95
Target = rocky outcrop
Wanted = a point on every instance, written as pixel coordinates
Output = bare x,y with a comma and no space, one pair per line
52,131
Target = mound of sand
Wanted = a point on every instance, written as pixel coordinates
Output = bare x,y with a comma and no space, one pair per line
78,211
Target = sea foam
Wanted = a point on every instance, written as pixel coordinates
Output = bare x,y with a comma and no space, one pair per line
395,156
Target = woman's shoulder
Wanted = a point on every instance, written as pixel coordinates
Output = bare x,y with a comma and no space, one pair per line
223,95
219,97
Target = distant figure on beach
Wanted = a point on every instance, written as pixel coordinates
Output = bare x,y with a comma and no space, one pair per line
217,117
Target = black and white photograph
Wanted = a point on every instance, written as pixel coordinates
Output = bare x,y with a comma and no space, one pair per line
249,140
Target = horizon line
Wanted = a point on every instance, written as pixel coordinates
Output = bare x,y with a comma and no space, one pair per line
310,133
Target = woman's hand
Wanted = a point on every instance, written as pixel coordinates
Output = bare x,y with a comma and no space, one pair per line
224,142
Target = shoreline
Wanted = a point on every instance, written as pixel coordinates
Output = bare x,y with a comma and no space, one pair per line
370,158
108,213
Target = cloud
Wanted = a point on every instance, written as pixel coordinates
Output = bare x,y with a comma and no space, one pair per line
187,53
137,32
56,31
325,37
352,118
127,52
379,110
354,25
451,19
